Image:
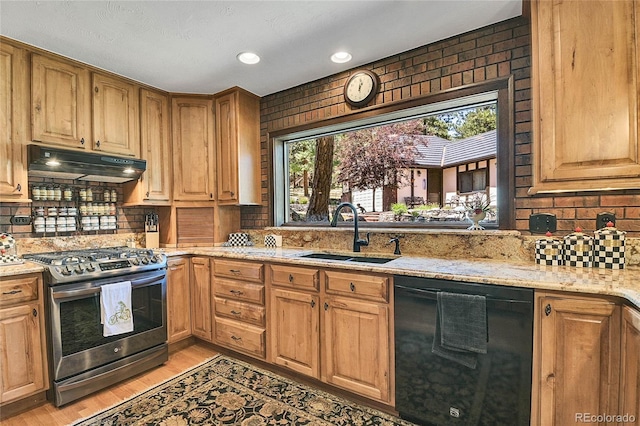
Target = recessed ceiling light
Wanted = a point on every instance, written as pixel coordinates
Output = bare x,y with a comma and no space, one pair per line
248,58
341,57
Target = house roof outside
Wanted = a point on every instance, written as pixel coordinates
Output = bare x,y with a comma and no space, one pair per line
442,153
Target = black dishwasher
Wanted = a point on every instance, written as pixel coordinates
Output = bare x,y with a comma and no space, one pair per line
432,390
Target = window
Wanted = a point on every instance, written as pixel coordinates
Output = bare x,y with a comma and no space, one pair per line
408,167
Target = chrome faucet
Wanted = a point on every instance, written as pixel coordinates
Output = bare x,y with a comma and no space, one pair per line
357,242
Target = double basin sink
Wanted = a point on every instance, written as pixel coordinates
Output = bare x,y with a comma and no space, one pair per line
347,258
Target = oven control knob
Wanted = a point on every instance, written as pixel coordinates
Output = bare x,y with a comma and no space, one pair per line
145,260
134,261
79,270
67,271
153,259
90,267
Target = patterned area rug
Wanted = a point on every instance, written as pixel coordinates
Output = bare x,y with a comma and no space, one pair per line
225,391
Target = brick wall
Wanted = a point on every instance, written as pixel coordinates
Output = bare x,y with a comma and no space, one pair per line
484,54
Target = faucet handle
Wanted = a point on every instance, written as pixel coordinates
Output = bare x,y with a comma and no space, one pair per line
362,242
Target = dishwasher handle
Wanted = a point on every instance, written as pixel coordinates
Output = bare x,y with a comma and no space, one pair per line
432,293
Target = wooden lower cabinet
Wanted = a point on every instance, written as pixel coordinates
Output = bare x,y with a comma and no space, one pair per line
23,363
178,299
630,368
338,331
201,324
576,358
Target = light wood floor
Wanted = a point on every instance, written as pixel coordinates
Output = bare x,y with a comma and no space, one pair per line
48,414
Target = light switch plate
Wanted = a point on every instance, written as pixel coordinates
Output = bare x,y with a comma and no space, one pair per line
540,223
20,220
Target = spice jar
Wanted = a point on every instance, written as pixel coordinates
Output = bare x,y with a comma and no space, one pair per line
89,194
68,193
57,193
50,193
35,193
114,196
83,194
106,195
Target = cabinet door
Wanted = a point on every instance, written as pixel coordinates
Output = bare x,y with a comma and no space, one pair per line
115,116
178,300
193,149
60,102
356,347
294,331
227,159
201,298
155,145
630,377
585,95
577,358
14,122
22,370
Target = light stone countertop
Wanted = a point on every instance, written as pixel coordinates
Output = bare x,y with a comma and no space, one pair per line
621,283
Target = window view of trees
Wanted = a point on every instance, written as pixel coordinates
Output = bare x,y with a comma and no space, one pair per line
431,169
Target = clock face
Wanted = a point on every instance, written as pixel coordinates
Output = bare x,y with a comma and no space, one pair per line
361,88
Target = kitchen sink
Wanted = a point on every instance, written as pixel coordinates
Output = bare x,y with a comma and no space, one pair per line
346,258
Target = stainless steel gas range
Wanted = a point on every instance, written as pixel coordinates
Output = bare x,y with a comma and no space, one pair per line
82,359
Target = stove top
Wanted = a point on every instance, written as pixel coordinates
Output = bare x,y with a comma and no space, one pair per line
81,265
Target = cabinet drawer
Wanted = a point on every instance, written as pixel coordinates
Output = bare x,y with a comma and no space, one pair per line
238,290
238,270
19,289
372,287
246,312
242,337
291,276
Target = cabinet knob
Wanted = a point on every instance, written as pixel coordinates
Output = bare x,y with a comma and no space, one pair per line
326,306
290,278
82,141
352,287
147,194
313,303
211,195
233,194
19,188
98,144
96,89
547,310
35,313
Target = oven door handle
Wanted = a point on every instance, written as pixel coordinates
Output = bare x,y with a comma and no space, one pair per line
141,282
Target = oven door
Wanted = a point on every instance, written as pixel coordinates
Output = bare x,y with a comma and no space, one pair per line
76,334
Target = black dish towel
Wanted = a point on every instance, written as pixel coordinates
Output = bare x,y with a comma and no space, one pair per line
461,328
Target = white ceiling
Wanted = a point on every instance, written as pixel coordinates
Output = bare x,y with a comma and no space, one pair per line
191,46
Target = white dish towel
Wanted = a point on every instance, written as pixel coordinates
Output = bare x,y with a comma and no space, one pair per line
116,315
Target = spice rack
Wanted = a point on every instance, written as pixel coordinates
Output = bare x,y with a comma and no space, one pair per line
65,209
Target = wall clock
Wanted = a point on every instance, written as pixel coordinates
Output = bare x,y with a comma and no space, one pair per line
361,88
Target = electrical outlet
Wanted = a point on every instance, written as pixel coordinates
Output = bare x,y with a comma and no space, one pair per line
540,223
603,218
20,220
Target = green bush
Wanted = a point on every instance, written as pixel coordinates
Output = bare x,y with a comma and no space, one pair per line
304,200
399,208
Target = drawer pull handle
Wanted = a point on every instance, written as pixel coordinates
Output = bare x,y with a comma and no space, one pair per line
12,292
235,271
236,338
547,310
313,303
290,278
352,287
236,292
235,313
35,313
326,306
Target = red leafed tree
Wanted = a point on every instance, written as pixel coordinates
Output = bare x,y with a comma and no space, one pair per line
374,157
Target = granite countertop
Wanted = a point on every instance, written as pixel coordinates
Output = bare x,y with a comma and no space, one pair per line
621,283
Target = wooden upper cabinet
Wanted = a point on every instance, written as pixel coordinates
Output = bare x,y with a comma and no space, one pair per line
14,122
115,116
193,149
576,358
154,186
238,147
585,77
60,102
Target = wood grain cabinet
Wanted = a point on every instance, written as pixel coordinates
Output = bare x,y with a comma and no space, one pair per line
576,358
193,149
116,120
630,368
23,363
294,310
239,306
154,186
60,102
238,147
14,121
178,299
586,88
334,326
201,325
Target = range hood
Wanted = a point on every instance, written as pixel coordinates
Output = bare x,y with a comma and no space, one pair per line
66,164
